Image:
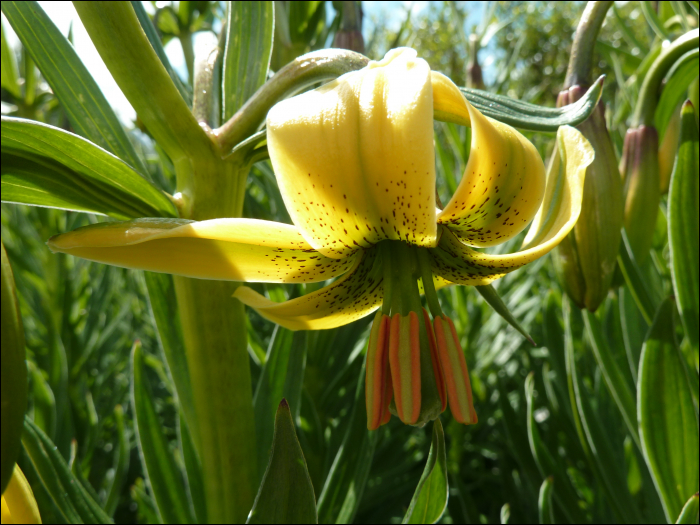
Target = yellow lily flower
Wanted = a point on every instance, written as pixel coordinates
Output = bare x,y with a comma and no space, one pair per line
18,503
355,164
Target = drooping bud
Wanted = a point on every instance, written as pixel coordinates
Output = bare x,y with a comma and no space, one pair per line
378,387
475,78
639,168
586,259
668,149
454,367
349,35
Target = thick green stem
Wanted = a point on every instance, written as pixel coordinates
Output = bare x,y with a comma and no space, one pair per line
581,61
306,70
118,36
214,330
649,92
188,51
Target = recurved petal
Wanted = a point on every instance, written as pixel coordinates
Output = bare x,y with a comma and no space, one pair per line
246,250
504,179
351,297
458,263
354,159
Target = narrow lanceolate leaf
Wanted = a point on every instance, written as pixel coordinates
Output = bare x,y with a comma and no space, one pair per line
345,484
614,378
689,514
524,115
89,112
164,309
154,39
646,301
8,67
286,494
684,71
668,424
430,499
683,217
68,494
46,166
490,295
13,387
544,502
116,32
282,378
249,34
163,475
121,463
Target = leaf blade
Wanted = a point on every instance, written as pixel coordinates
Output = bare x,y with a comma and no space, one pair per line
430,499
46,166
286,494
668,424
88,110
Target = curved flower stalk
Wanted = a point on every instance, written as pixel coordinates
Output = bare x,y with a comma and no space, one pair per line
355,164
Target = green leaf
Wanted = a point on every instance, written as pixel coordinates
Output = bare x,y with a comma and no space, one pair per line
653,19
544,502
8,67
566,497
154,39
68,494
684,71
13,388
689,514
345,483
249,35
614,378
121,463
119,38
193,467
282,378
668,424
46,166
162,473
430,499
490,295
524,115
88,111
164,310
683,217
634,328
646,301
286,494
604,459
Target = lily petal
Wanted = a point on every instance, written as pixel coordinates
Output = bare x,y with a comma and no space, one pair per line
351,297
246,250
460,264
503,182
355,160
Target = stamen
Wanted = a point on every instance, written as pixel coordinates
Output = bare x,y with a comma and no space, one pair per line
434,357
404,361
378,389
454,366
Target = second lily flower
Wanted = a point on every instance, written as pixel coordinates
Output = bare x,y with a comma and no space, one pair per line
355,164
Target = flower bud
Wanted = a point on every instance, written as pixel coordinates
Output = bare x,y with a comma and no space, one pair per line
586,259
668,149
640,175
475,78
